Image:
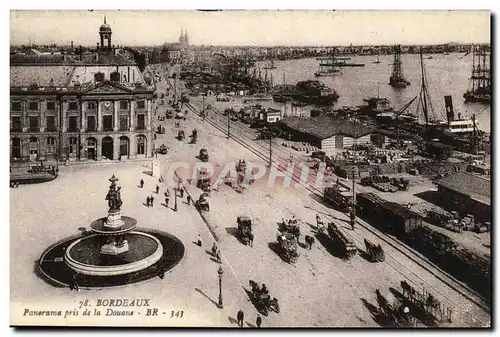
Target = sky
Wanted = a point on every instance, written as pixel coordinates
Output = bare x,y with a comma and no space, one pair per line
263,28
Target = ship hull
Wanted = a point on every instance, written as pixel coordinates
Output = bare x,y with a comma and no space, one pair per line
322,100
472,97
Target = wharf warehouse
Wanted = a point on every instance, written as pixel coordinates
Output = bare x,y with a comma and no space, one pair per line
327,133
466,193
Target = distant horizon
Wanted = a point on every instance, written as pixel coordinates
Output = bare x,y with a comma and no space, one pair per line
261,46
316,28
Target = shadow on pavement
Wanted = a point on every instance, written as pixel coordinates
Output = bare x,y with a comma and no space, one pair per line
377,315
232,320
275,247
250,324
232,231
205,295
328,245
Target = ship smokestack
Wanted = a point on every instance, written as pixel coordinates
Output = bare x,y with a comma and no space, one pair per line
450,114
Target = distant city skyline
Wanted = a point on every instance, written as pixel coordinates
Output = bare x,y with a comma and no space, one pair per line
252,28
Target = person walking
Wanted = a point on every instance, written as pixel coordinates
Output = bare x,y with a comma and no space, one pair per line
258,321
157,189
142,183
189,200
167,199
182,192
151,199
240,317
199,240
148,201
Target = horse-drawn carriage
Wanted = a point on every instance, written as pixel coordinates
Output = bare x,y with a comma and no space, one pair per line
203,181
374,252
202,204
424,303
291,226
160,130
287,245
241,166
397,314
262,300
245,230
162,149
342,241
203,155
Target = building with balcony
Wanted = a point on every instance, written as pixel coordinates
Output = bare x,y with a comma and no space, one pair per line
96,107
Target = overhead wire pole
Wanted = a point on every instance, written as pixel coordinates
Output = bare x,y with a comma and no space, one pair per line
270,148
228,126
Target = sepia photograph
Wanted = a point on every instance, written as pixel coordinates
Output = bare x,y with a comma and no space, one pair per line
250,169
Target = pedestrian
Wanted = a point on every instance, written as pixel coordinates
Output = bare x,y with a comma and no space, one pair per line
166,201
189,200
74,283
258,321
182,193
157,189
240,317
142,183
152,199
148,201
199,240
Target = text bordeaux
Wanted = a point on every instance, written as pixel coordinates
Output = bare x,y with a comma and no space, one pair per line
142,302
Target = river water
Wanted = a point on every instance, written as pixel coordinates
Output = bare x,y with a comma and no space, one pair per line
446,75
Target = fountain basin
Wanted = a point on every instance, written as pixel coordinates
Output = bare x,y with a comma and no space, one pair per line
84,257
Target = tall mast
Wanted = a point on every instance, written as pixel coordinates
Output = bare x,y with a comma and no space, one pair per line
423,90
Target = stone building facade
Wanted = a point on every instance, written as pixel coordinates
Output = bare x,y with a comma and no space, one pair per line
98,107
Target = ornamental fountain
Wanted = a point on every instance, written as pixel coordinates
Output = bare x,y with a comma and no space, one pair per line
113,251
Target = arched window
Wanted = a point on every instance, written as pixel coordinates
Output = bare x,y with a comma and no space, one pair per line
141,144
51,145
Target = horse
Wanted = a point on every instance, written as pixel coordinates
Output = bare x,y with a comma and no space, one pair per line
250,239
408,289
309,240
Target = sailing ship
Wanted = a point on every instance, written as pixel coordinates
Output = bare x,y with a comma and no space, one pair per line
397,80
460,133
270,65
480,81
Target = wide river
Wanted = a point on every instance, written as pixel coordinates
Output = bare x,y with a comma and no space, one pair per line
446,75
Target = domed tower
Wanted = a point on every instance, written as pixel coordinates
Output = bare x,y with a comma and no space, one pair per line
105,34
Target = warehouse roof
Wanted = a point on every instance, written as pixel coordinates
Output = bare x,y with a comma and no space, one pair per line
477,187
325,127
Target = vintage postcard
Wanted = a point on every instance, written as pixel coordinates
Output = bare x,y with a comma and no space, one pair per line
250,169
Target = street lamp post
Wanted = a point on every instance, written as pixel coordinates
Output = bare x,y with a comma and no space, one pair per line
175,195
220,272
353,206
270,148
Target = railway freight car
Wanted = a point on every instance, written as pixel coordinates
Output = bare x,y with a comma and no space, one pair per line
388,216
